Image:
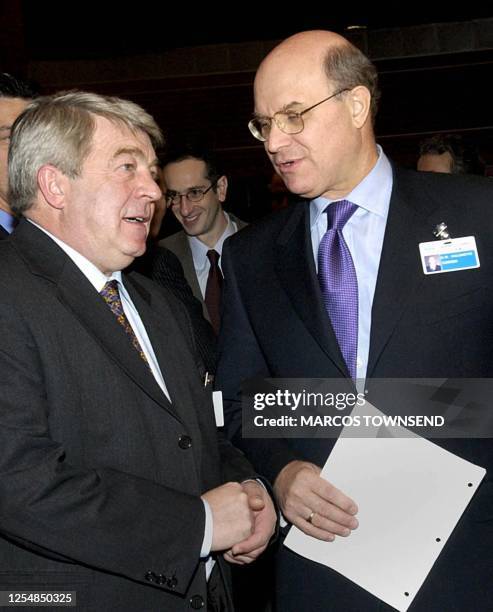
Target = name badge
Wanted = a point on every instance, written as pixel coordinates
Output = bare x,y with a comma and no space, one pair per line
449,255
217,400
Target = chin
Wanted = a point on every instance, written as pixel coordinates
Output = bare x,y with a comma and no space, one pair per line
304,191
195,233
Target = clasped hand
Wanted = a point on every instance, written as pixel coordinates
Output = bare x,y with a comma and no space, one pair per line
244,520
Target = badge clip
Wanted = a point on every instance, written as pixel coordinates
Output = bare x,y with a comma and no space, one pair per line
441,232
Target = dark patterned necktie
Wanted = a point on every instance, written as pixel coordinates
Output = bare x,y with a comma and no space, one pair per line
338,282
111,296
213,290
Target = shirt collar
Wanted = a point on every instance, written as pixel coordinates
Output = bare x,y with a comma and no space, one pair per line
199,249
371,194
90,271
7,221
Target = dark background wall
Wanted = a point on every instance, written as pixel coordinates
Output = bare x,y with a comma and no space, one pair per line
194,73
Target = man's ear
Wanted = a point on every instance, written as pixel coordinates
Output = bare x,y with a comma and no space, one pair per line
53,185
222,188
360,99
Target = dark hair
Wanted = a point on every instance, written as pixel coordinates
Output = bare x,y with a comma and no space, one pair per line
348,67
181,152
465,156
13,87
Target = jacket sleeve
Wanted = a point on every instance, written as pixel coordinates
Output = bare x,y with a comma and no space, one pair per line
240,359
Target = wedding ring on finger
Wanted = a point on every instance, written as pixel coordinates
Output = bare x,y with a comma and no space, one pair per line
310,518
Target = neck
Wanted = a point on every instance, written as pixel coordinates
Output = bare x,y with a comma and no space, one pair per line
359,171
211,238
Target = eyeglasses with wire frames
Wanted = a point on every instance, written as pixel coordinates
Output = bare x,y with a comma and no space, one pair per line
289,122
194,194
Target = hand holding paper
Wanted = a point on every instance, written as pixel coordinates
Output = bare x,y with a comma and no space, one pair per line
301,491
392,553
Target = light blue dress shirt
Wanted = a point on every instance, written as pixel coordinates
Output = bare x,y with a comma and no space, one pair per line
7,221
363,233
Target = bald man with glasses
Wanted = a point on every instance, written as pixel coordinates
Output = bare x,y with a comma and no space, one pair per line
334,287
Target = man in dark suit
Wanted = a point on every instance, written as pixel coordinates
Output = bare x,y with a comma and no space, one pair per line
196,190
315,97
111,470
14,97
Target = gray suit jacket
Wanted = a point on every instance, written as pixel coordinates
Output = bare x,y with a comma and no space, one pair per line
178,243
100,475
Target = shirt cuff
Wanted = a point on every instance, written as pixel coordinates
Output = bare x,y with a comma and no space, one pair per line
207,541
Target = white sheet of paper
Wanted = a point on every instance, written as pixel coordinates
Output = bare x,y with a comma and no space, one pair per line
410,493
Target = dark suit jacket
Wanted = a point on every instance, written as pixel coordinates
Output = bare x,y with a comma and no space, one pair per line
100,475
179,245
162,265
3,233
275,325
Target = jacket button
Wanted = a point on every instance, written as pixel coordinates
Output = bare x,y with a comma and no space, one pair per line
172,582
150,576
161,579
197,602
184,442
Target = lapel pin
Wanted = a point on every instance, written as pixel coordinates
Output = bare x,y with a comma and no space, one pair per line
441,231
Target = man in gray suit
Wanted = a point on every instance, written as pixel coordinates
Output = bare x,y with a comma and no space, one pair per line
111,472
196,191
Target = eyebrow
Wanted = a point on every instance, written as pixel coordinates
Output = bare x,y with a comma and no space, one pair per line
5,128
134,151
189,188
283,109
128,151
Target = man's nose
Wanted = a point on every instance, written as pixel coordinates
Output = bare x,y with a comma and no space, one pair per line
185,205
149,187
277,139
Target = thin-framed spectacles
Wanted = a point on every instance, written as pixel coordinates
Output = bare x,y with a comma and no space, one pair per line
289,122
194,194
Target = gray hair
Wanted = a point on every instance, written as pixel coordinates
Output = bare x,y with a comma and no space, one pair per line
58,130
348,67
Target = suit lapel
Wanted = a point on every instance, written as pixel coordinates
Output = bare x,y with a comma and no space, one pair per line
186,259
296,271
400,273
173,354
45,258
75,291
167,340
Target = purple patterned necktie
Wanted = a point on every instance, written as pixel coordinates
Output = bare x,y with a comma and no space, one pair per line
338,282
111,296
